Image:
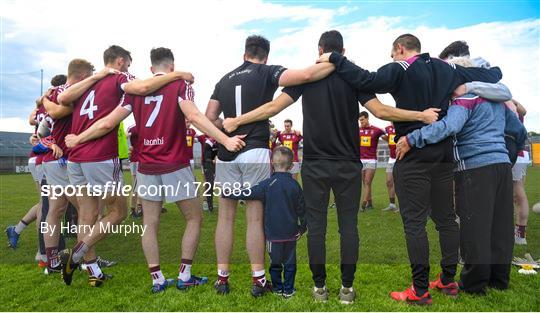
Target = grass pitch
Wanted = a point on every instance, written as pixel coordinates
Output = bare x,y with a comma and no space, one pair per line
383,266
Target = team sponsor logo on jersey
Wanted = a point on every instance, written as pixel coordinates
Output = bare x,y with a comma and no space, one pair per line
365,141
246,71
153,142
391,140
288,144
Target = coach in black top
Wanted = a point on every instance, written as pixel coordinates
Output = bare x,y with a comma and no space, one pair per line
424,177
243,89
331,160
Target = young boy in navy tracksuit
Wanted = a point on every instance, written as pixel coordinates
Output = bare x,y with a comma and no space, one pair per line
284,219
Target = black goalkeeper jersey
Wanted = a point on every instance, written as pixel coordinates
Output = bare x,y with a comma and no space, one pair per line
242,90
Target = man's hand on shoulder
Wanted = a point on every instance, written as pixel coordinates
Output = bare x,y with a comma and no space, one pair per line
325,57
187,76
104,72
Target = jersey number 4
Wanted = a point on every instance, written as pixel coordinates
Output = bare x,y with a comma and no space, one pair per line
155,112
88,106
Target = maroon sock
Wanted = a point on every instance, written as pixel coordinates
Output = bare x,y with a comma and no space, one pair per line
52,257
223,279
393,200
522,230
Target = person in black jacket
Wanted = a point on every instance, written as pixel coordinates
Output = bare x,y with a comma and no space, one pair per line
424,178
284,219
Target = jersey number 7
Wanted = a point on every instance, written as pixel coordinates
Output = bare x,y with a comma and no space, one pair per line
148,100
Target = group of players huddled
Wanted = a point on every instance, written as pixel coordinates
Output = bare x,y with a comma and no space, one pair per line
76,144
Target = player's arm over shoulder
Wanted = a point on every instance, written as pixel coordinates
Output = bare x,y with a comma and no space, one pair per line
144,87
293,77
56,111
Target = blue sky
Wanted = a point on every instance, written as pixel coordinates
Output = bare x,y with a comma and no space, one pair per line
452,14
28,45
437,13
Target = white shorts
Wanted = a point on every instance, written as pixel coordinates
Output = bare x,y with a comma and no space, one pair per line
519,170
133,168
32,168
390,165
248,169
296,168
104,174
369,164
56,172
171,187
40,174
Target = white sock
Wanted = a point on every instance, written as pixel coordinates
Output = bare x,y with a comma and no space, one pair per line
223,273
259,276
93,269
157,277
350,289
79,251
258,273
20,227
184,273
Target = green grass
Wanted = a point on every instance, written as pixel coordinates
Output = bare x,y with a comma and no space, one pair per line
383,267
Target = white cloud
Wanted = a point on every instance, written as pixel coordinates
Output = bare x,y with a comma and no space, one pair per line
15,124
207,39
513,46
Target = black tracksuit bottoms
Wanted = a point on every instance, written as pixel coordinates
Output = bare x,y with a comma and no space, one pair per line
282,265
484,204
424,186
344,178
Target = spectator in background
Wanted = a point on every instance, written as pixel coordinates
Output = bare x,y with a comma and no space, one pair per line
369,141
291,139
389,137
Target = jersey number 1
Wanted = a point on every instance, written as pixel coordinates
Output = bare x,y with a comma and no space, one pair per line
155,112
238,99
